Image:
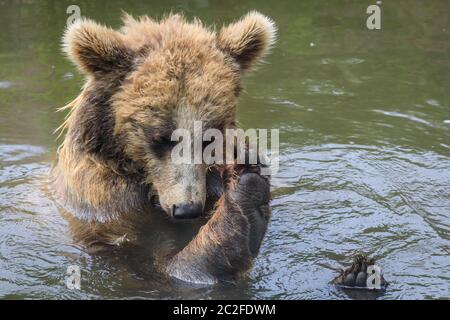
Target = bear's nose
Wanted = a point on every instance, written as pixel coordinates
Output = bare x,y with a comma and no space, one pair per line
187,211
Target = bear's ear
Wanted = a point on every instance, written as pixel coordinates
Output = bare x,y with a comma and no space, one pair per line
248,39
96,49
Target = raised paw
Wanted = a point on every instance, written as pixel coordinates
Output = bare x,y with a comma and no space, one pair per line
252,195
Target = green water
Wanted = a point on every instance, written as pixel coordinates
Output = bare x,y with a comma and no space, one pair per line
364,119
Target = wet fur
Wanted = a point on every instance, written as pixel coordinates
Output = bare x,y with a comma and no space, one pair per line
142,82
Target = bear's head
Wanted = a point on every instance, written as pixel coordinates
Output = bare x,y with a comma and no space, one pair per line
148,79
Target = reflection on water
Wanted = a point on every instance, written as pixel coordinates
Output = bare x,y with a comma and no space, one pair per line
365,155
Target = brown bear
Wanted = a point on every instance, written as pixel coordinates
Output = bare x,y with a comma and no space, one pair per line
143,82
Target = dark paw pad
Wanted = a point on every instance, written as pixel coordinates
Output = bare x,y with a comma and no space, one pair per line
252,194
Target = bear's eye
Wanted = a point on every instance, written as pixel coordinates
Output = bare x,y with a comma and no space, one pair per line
161,144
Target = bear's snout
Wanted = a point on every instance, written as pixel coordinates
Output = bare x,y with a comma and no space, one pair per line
187,210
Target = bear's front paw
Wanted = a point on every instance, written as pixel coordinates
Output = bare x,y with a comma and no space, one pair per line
252,194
